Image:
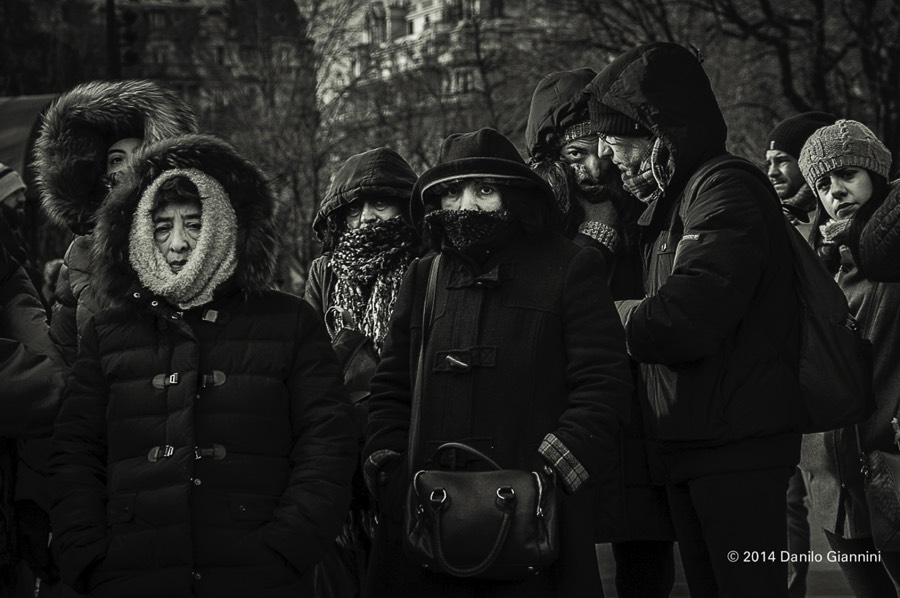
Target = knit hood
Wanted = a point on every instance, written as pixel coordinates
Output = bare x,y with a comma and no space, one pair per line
78,128
559,109
377,173
663,88
242,183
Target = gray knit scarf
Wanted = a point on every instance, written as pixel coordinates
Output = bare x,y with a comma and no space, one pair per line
369,263
650,180
212,261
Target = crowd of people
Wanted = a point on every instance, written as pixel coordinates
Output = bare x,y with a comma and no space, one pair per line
613,315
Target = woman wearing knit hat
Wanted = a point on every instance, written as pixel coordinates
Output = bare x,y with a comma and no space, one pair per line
87,135
847,166
205,446
525,361
369,242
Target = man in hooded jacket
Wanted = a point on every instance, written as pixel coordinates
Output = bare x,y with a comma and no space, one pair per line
716,332
205,445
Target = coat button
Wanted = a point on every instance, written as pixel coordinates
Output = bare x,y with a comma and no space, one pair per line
154,303
196,575
137,295
242,508
663,246
174,316
197,481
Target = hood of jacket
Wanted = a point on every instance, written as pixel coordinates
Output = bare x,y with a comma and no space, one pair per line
377,173
557,104
662,86
78,128
244,184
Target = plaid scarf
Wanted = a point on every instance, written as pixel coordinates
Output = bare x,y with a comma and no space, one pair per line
370,262
653,174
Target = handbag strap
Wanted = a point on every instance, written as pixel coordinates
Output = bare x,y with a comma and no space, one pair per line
506,504
466,448
415,408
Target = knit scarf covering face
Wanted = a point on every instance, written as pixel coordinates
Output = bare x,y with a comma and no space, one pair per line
465,228
652,177
212,260
369,263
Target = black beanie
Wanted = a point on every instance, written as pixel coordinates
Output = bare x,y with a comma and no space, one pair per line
608,121
790,134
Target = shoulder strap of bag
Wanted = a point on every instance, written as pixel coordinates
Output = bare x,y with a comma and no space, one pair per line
420,367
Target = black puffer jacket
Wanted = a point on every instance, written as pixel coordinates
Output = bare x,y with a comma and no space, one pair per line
203,453
876,242
717,332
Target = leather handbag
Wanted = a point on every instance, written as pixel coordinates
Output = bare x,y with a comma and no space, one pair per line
881,470
494,524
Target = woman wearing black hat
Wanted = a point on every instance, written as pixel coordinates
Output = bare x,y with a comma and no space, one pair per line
525,362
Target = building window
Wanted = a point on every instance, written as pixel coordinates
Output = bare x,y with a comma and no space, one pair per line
157,19
410,28
220,55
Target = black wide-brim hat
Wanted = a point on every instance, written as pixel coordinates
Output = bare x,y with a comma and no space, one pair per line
482,154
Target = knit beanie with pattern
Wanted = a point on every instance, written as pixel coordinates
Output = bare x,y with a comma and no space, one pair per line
10,182
790,134
845,143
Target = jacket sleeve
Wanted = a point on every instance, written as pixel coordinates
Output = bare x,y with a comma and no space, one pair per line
32,373
717,266
391,400
598,375
77,466
876,242
324,452
314,293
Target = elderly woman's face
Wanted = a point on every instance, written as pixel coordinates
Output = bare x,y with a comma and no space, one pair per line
176,230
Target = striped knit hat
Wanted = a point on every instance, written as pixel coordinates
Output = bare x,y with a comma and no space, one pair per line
845,143
10,182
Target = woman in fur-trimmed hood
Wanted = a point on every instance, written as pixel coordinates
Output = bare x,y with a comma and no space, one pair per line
206,445
72,169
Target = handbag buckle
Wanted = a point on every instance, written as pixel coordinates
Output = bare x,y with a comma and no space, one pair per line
437,498
506,498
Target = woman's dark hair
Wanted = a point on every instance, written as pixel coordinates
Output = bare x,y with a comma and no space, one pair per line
831,254
178,189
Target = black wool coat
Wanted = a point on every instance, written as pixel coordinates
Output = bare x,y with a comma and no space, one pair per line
544,349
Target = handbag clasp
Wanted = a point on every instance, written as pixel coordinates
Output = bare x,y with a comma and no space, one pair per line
437,498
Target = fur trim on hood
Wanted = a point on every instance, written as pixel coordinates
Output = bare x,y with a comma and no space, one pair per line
250,197
79,127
